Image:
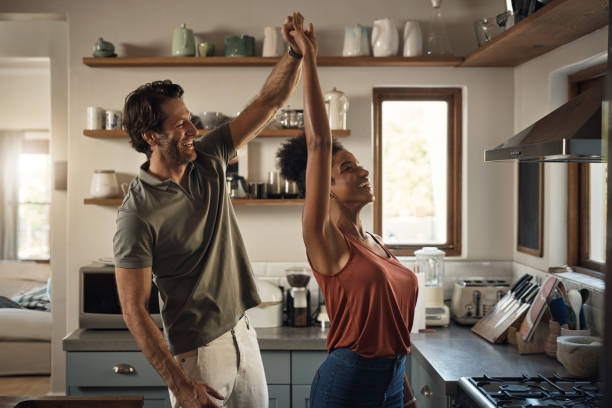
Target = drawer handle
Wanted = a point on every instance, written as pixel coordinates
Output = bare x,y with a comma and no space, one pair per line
426,391
124,369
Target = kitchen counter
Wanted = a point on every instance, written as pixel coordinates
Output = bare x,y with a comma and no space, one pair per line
277,338
449,353
454,352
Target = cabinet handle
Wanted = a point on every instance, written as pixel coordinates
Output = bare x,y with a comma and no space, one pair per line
426,391
124,369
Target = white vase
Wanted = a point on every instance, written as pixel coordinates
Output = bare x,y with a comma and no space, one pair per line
385,38
413,39
356,41
273,43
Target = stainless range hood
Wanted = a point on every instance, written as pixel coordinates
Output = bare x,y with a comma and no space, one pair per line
571,133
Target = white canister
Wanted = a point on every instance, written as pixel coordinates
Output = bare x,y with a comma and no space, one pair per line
413,39
95,118
104,184
273,43
112,119
336,104
356,41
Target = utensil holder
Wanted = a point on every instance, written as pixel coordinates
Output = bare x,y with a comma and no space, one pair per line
554,331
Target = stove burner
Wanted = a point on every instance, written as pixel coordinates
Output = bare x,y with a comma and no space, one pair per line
538,391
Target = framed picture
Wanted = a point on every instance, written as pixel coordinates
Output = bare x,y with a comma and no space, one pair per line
530,208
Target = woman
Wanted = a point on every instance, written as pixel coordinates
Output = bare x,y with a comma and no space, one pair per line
370,296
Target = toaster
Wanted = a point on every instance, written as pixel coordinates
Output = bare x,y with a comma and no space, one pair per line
474,297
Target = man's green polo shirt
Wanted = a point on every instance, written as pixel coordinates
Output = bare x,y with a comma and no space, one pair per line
192,242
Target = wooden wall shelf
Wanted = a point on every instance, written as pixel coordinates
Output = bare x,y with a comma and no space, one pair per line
423,61
236,201
557,23
122,134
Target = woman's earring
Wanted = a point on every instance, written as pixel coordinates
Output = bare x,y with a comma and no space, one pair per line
332,195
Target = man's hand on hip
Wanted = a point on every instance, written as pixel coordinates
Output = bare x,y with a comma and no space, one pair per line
197,394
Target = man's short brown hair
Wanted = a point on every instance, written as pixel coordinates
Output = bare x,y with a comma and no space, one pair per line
142,111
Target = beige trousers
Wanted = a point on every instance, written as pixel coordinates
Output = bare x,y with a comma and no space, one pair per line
230,364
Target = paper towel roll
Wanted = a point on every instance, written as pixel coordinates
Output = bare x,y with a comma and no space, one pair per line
419,309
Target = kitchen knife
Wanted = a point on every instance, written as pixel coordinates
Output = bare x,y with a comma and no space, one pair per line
522,289
512,292
519,302
527,303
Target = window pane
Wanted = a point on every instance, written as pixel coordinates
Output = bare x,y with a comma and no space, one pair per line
34,198
34,178
414,170
597,211
33,231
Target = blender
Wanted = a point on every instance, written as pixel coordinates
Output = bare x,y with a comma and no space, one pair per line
430,262
298,297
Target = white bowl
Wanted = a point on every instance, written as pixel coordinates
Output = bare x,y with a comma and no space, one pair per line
579,354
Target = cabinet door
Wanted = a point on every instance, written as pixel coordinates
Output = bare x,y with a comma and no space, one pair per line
277,366
304,365
278,396
429,391
300,396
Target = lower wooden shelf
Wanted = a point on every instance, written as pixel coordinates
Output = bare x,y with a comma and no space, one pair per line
236,201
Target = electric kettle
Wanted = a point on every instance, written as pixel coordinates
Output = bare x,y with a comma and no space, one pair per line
336,105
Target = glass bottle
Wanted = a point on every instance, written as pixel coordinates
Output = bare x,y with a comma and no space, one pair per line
437,38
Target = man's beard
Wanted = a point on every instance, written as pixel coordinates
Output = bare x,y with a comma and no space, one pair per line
172,153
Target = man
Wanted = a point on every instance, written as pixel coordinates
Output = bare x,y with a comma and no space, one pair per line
177,227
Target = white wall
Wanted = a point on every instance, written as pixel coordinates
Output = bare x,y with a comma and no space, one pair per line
46,37
144,28
25,85
541,86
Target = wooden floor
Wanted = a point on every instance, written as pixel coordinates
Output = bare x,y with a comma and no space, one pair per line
25,385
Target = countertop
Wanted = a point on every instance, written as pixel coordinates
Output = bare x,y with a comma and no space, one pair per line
455,352
277,338
448,353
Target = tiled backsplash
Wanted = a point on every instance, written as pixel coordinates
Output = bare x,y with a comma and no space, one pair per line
274,272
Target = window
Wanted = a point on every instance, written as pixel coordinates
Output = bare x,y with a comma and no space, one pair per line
587,192
34,199
417,168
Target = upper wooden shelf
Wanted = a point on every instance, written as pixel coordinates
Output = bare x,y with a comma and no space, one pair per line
423,61
122,134
115,202
557,23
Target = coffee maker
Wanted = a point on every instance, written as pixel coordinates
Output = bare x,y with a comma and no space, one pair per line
298,297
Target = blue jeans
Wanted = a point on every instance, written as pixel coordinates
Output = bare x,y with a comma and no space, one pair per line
345,379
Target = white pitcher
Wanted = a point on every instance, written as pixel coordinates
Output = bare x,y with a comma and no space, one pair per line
273,43
413,39
356,41
385,38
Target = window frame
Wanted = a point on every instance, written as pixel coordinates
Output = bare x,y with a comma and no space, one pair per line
578,182
453,96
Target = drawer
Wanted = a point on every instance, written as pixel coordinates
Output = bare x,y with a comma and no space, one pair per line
279,396
153,397
304,364
96,369
276,366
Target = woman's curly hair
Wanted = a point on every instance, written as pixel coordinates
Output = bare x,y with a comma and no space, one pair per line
292,158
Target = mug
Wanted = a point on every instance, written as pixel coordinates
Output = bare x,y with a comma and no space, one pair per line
95,118
112,120
206,49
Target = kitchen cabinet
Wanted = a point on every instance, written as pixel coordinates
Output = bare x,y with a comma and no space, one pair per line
115,373
429,390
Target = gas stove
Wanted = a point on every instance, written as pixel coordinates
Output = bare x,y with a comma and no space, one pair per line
525,391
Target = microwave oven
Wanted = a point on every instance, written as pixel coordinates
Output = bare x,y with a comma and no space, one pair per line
99,306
